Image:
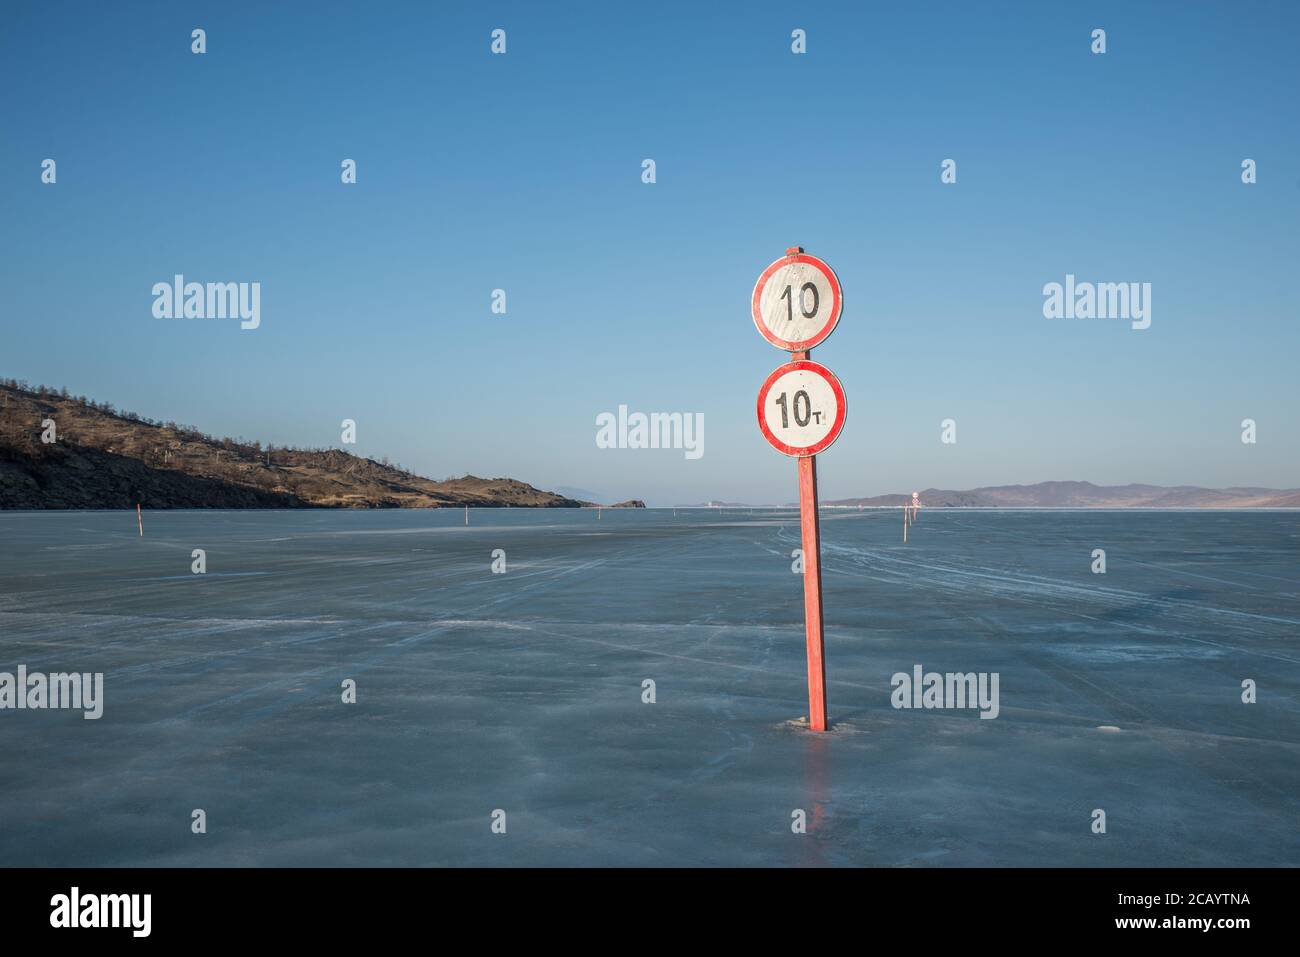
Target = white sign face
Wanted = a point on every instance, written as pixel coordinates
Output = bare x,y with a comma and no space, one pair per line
801,408
797,302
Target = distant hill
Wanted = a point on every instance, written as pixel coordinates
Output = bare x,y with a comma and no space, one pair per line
580,494
109,459
1087,495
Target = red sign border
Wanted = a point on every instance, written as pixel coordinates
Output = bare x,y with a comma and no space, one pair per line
829,440
837,303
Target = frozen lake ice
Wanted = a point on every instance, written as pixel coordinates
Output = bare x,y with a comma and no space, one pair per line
522,691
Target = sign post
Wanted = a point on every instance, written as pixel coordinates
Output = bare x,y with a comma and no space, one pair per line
801,409
814,637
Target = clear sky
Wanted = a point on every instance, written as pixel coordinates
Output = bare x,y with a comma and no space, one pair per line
523,172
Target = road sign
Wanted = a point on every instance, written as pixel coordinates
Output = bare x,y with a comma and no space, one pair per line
797,301
801,408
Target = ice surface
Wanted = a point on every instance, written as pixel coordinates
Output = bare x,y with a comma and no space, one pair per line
522,691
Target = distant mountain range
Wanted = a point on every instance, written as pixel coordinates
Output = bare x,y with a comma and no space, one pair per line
103,458
1087,495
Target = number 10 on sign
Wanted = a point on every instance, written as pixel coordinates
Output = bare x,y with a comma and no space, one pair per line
797,302
801,408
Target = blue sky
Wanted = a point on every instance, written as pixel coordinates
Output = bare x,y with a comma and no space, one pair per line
523,172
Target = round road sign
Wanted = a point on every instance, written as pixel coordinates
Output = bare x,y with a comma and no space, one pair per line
801,408
797,302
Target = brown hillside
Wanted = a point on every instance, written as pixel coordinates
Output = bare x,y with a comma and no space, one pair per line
109,459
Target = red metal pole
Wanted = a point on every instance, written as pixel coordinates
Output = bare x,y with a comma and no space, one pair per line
812,592
814,638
